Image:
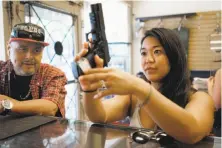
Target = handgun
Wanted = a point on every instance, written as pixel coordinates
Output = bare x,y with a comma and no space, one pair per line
99,44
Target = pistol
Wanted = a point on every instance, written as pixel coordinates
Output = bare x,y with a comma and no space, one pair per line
99,43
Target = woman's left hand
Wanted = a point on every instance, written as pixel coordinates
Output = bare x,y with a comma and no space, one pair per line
116,81
210,85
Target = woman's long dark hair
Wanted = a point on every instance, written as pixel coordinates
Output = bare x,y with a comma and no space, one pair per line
176,84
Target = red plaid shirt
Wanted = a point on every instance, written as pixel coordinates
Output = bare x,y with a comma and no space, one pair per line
47,83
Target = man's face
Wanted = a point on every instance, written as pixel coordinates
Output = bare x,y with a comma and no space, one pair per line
25,56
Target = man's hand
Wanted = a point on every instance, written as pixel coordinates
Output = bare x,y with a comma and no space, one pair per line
32,107
3,97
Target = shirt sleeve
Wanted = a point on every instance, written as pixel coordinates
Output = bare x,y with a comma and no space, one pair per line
54,89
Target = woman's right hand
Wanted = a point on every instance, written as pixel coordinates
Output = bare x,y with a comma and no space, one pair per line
84,51
98,61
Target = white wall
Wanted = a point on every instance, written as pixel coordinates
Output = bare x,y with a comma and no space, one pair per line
158,8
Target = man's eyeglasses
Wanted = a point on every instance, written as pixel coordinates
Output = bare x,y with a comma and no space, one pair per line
144,136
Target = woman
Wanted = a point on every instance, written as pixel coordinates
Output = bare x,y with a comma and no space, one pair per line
166,102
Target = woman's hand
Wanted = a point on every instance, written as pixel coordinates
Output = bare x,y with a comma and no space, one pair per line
98,60
210,85
84,51
116,81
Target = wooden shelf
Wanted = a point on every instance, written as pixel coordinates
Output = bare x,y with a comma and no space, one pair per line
217,61
143,19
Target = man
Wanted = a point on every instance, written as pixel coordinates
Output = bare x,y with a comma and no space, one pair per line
28,86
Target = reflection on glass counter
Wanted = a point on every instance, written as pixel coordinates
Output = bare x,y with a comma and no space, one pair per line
62,133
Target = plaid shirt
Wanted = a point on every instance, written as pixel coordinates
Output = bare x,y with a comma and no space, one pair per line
47,83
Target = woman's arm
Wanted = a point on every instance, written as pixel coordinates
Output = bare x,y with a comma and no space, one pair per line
99,110
105,111
210,85
188,125
217,90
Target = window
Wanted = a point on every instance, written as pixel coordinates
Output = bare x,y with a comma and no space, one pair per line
120,56
117,27
117,18
2,40
59,27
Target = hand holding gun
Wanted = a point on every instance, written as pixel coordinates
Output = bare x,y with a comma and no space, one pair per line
99,45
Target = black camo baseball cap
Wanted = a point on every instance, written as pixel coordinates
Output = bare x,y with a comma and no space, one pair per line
28,32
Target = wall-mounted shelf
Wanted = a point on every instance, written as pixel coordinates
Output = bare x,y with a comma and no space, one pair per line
143,19
217,61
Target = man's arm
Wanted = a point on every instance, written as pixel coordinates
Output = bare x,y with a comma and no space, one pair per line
51,100
38,106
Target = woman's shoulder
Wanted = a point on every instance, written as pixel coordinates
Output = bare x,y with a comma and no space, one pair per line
199,100
195,94
191,92
218,73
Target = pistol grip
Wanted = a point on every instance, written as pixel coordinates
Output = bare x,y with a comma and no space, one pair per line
76,70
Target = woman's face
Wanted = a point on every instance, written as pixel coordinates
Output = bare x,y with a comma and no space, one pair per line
154,60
